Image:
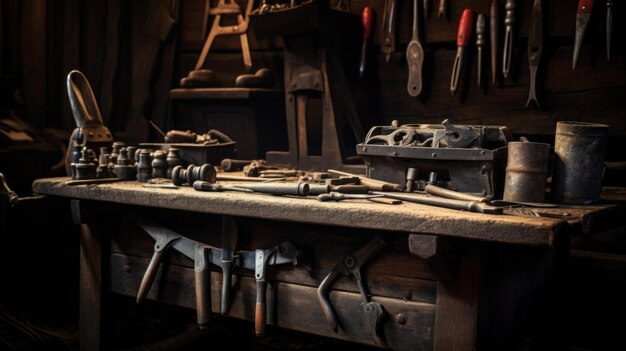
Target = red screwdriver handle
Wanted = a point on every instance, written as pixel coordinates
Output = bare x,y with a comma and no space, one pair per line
367,18
465,28
585,6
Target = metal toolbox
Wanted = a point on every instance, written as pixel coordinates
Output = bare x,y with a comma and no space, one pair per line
465,158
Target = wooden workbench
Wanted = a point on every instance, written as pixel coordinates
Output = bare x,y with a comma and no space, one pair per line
448,280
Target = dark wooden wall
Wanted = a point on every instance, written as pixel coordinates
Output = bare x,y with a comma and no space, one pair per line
594,92
102,39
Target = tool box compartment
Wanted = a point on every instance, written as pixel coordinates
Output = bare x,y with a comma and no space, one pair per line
478,167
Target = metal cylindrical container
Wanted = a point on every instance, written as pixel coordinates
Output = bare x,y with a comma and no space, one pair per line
526,171
579,150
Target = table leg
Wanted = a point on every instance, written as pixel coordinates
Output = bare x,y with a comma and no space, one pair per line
90,297
456,316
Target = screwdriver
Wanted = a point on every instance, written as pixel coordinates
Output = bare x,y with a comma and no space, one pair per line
480,43
366,19
582,19
495,19
462,40
509,20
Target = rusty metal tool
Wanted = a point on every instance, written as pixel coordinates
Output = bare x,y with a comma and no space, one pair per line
367,19
200,253
230,236
200,185
372,184
494,38
318,189
583,14
535,48
464,205
451,194
609,27
232,165
480,44
351,266
337,196
388,37
462,40
282,254
456,195
442,9
509,21
92,181
233,178
295,189
415,58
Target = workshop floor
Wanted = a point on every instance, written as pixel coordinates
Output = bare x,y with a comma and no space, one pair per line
152,326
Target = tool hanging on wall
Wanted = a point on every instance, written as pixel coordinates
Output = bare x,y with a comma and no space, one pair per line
351,266
282,254
509,21
583,14
426,8
367,19
535,48
462,40
442,9
415,58
202,77
494,37
480,44
200,253
609,27
388,36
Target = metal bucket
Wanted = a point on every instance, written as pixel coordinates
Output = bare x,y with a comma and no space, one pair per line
579,150
526,171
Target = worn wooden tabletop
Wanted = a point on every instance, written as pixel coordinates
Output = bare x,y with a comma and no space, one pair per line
512,228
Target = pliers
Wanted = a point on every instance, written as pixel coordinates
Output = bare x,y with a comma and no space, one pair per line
351,266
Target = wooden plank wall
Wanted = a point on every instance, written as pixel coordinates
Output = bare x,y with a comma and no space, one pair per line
71,34
594,92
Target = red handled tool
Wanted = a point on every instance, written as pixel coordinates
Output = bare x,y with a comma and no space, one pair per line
367,18
582,19
462,40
